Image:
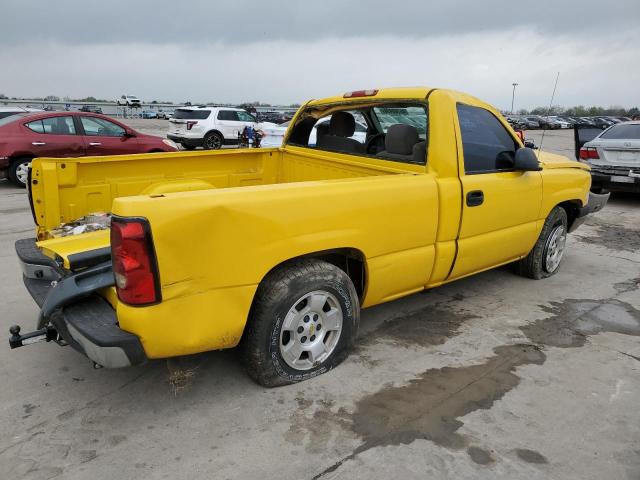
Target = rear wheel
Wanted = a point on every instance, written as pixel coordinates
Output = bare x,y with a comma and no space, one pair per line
212,141
545,257
303,323
19,171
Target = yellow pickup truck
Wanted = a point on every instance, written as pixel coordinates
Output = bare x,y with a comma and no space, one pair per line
374,195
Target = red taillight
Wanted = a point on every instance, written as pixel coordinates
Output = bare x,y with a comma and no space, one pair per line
361,93
134,261
588,153
190,124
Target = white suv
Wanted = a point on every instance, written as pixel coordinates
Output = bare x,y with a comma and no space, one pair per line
208,127
129,101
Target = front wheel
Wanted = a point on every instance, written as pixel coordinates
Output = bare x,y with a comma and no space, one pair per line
212,141
303,323
19,171
546,255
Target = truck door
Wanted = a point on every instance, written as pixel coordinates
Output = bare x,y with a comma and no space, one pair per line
500,205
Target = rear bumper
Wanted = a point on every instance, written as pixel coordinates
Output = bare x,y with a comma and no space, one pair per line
596,202
616,179
70,305
90,326
188,142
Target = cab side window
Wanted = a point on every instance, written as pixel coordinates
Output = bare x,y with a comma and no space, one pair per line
487,146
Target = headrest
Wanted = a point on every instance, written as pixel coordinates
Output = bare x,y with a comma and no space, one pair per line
401,138
342,124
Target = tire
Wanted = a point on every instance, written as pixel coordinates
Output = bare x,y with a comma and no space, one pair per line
212,141
18,170
286,297
545,257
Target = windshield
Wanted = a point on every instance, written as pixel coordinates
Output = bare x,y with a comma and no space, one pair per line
187,114
409,115
629,131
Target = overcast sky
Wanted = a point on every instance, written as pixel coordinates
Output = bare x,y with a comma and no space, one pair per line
289,51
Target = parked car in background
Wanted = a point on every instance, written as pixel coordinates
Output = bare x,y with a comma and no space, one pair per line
208,127
8,111
588,121
602,122
614,157
129,101
556,122
67,134
149,114
91,109
164,114
527,123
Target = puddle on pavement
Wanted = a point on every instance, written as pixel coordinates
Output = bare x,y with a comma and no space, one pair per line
429,407
613,237
430,325
531,456
572,321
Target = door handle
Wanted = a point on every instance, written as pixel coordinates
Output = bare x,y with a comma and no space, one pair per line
94,144
38,144
475,198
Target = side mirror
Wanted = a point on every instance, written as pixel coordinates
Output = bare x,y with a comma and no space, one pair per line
129,134
526,161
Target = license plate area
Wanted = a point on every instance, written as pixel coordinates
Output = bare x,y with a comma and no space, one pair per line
621,179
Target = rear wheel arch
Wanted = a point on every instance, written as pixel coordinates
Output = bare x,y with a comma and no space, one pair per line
350,260
214,130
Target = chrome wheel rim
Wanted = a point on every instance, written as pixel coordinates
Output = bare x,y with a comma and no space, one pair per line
214,142
22,172
554,249
311,330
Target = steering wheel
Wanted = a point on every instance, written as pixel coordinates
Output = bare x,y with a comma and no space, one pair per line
371,141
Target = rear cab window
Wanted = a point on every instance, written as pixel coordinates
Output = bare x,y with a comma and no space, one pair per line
391,130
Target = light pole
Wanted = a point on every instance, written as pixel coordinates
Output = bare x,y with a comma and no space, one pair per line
513,96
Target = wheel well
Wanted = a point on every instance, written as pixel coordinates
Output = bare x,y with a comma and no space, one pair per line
572,209
214,131
349,260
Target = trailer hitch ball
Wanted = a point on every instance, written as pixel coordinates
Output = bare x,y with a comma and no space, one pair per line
14,330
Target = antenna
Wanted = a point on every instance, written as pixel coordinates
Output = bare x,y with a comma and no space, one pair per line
549,112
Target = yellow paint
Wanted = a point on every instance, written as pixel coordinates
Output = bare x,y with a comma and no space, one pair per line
222,220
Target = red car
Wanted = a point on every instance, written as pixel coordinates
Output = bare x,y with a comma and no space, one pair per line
67,134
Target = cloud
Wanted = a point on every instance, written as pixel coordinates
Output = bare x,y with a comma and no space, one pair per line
246,21
263,51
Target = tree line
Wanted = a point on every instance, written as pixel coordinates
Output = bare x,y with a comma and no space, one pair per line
582,111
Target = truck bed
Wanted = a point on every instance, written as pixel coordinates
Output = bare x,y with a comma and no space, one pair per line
65,189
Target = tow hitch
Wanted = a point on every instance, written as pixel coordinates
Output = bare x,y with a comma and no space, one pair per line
45,334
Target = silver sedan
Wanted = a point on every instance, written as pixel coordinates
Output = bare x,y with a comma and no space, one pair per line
614,156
